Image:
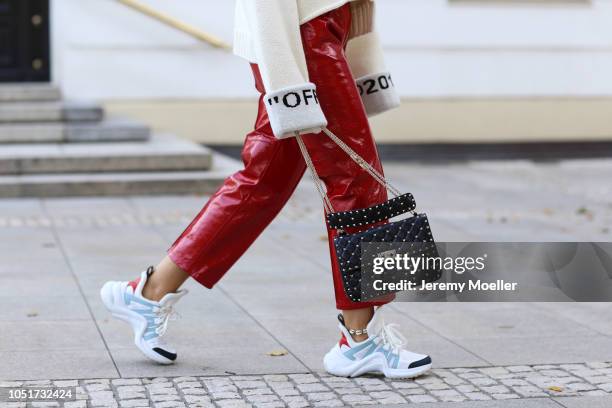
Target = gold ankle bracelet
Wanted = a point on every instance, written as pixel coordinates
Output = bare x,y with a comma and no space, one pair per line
357,332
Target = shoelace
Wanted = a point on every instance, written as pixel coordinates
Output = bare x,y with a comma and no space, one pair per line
392,338
164,314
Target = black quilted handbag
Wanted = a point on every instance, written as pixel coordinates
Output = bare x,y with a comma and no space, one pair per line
411,236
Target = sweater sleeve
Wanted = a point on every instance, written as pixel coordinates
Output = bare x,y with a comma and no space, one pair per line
367,62
291,100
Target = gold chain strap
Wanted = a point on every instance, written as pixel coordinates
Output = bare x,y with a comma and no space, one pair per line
353,155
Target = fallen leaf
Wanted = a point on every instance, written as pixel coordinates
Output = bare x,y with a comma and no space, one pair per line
582,211
278,353
555,388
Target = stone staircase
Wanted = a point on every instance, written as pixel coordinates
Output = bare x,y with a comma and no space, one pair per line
53,148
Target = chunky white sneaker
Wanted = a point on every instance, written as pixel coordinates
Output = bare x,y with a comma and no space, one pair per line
148,319
382,352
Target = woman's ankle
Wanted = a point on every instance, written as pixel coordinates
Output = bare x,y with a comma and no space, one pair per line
356,321
150,291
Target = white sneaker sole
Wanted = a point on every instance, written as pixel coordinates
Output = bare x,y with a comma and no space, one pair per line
112,297
375,363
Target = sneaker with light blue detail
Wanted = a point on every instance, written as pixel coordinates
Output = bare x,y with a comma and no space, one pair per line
383,352
148,319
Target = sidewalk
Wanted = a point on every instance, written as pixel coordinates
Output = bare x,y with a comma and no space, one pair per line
57,253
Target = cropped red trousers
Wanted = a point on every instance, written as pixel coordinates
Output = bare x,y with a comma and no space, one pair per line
251,198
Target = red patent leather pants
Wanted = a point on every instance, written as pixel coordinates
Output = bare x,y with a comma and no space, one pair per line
250,199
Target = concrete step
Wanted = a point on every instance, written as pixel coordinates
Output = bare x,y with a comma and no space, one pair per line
110,130
15,92
160,153
119,184
12,112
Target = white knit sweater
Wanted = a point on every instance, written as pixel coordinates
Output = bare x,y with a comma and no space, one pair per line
267,32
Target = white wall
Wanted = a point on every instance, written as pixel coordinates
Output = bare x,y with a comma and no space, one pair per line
435,48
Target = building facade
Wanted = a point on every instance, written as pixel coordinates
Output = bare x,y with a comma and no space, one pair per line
467,70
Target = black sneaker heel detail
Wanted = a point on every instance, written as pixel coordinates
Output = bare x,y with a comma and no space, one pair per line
168,355
422,362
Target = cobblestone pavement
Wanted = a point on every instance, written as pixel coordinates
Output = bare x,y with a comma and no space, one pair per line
306,390
57,252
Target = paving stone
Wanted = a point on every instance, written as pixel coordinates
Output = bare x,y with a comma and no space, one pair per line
296,401
495,389
529,391
466,388
97,387
421,398
303,378
606,387
131,388
65,383
169,404
404,384
249,384
514,382
131,395
337,380
223,388
192,399
273,404
454,380
448,396
387,397
519,369
261,398
76,404
126,381
412,391
257,391
504,396
598,365
232,403
483,381
134,403
275,378
469,376
600,379
310,387
477,396
189,384
353,398
368,381
224,395
104,403
436,386
101,395
492,371
281,384
194,391
329,403
581,387
320,396
165,397
347,390
594,393
554,373
287,392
